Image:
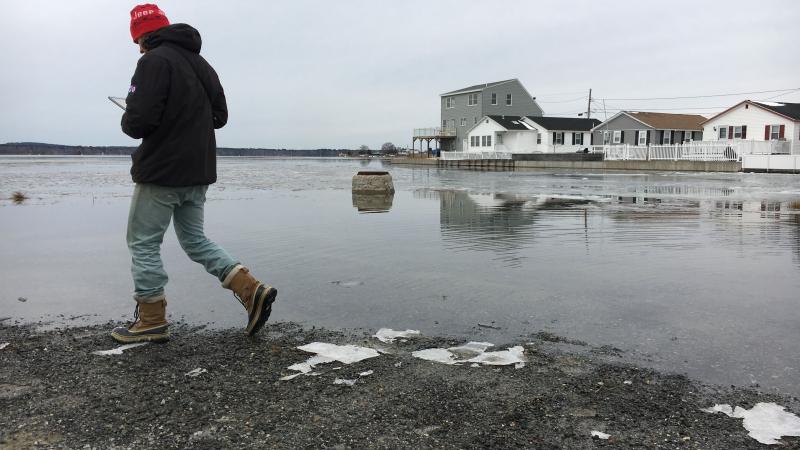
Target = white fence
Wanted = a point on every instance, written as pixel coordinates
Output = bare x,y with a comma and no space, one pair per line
771,163
694,151
451,156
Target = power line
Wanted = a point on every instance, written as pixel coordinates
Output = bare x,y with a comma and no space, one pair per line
556,94
565,101
704,96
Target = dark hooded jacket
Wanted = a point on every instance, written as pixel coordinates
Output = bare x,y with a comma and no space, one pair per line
174,104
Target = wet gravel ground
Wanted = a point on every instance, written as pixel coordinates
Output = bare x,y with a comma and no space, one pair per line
55,393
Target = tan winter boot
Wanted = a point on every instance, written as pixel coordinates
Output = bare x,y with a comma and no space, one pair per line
149,325
256,297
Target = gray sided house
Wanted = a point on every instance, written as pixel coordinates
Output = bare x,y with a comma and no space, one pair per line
648,128
463,108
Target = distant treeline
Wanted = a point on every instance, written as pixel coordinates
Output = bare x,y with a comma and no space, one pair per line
36,148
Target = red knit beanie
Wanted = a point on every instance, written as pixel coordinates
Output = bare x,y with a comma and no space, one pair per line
145,19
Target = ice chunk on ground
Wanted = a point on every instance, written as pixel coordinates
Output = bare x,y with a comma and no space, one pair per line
600,434
513,355
308,366
724,409
439,355
367,373
343,381
473,352
766,422
289,377
4,345
119,350
326,353
196,372
388,335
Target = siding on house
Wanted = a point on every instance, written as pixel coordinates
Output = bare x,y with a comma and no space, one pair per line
754,118
521,102
627,125
454,115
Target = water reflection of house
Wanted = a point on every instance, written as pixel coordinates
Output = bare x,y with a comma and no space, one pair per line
501,223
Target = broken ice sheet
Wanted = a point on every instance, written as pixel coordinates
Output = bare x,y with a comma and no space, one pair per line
473,352
343,381
600,434
388,335
196,372
119,350
765,422
326,353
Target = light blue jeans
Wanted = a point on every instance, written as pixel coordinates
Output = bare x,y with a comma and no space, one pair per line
152,208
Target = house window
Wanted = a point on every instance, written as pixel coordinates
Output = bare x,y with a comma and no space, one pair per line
508,99
606,137
577,138
737,132
483,141
723,132
538,138
494,98
463,121
499,139
642,137
444,123
472,141
472,100
476,120
450,102
558,138
452,124
774,132
617,136
687,136
665,139
489,140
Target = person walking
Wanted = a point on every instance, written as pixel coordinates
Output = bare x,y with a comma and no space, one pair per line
174,104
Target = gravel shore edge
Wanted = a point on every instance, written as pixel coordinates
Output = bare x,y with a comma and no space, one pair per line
55,393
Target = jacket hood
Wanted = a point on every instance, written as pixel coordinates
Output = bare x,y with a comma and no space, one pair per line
178,34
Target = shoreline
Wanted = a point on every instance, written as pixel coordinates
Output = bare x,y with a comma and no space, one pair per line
57,393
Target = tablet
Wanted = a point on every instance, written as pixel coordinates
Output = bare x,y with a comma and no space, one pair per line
119,101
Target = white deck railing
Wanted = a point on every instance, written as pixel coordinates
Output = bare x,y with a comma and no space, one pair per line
434,132
452,156
725,150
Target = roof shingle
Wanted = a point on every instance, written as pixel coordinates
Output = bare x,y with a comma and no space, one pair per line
477,87
668,121
786,109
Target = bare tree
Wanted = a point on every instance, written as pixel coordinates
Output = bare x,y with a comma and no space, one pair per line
389,149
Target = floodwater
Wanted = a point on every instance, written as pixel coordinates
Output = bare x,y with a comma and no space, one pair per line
687,272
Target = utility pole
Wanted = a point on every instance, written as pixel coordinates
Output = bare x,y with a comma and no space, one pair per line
589,106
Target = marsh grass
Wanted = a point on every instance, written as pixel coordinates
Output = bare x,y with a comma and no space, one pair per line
18,197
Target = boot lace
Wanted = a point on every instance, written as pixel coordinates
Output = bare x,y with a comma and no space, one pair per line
135,316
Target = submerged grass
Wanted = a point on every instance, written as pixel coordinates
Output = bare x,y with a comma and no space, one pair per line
18,197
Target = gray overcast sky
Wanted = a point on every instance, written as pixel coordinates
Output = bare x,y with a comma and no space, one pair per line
338,74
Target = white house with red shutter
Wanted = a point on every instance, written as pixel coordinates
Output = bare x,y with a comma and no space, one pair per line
774,122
